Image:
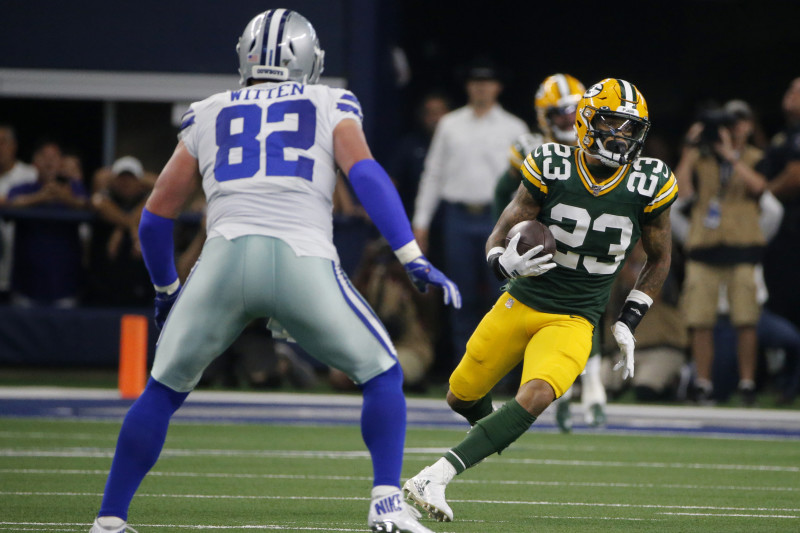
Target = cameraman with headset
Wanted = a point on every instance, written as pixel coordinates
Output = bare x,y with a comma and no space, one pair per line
717,175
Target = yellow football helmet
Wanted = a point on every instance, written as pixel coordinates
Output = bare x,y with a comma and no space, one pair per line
558,94
612,122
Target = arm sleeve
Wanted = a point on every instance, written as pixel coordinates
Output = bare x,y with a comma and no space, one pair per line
158,248
379,197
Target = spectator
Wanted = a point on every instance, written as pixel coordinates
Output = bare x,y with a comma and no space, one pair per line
48,254
725,241
408,160
781,166
12,172
386,287
467,155
118,276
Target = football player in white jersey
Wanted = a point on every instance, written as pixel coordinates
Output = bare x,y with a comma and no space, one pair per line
266,156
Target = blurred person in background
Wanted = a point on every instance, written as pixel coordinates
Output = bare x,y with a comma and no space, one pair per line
48,251
465,159
781,166
725,241
12,172
118,276
408,160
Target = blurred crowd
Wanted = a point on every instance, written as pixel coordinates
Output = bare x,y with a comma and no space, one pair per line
726,324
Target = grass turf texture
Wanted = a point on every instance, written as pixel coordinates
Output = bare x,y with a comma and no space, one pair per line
293,478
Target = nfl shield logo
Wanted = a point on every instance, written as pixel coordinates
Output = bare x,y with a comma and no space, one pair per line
509,303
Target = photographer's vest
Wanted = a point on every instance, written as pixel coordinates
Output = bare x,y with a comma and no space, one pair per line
724,221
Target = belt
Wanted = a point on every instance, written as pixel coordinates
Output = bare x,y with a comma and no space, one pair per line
472,209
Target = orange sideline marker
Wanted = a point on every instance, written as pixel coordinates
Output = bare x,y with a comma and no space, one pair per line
132,356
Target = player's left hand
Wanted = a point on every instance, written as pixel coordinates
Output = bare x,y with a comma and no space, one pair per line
163,304
422,273
626,343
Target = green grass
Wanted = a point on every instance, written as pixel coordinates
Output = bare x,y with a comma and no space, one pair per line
287,478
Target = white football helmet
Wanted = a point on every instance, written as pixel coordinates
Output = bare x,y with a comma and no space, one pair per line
280,45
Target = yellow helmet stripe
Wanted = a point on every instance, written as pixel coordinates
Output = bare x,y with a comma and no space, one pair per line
533,174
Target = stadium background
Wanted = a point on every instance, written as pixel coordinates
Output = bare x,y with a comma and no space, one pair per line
680,54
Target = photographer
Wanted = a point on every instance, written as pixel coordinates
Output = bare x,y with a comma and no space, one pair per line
716,173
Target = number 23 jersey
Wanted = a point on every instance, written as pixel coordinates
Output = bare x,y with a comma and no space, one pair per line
266,156
595,225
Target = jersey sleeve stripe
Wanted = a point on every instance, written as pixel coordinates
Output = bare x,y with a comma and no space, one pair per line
514,156
187,122
341,106
665,195
533,174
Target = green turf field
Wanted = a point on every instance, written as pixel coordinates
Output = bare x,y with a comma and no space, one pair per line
287,478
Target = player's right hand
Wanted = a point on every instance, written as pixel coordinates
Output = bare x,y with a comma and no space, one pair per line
422,273
522,266
163,304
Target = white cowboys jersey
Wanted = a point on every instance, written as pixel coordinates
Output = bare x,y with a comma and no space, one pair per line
266,156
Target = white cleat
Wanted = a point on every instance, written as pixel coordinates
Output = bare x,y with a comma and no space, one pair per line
426,491
110,524
388,513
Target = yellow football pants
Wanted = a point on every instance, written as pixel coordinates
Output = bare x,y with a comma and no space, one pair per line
554,348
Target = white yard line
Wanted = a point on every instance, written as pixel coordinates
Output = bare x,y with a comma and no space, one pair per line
228,475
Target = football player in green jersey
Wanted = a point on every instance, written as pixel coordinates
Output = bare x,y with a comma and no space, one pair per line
598,199
555,102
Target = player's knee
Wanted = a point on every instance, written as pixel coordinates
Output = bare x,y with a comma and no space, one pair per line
535,396
457,403
392,378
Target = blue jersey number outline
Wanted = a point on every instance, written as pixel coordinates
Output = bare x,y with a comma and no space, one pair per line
245,140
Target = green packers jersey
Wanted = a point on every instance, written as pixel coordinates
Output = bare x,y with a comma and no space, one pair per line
595,225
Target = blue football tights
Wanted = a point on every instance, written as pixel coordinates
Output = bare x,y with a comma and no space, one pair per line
383,425
144,430
141,438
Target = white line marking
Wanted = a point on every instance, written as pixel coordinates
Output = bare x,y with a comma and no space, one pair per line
290,454
226,475
733,515
482,502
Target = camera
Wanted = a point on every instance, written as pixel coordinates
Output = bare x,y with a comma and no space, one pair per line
712,121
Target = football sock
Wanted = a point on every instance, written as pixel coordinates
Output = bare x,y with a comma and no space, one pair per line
478,410
383,425
139,445
491,434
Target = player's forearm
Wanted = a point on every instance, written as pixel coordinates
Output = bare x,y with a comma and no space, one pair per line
522,207
657,244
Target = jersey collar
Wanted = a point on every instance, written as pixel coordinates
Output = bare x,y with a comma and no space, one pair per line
594,187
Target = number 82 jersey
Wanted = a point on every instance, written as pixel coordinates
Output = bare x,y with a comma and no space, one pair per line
596,224
266,156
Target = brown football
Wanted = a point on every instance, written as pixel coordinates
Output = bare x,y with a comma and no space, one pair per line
533,233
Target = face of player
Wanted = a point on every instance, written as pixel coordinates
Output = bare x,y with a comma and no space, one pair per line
563,118
617,132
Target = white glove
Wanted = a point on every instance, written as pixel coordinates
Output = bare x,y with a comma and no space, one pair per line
522,266
626,343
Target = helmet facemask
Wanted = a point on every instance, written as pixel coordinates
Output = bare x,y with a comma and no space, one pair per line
618,138
565,134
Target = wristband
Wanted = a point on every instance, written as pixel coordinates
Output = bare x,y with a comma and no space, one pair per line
408,252
493,258
634,308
